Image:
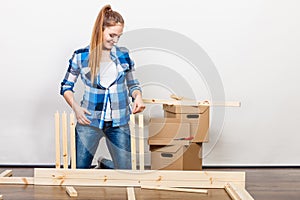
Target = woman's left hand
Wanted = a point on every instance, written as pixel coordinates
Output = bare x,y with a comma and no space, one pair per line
138,105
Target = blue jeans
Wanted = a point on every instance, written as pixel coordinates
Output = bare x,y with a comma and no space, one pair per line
117,140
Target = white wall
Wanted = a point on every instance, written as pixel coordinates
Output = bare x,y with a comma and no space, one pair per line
254,45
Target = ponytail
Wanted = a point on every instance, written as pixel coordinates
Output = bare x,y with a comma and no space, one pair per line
106,17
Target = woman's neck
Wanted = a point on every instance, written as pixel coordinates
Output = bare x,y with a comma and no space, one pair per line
105,57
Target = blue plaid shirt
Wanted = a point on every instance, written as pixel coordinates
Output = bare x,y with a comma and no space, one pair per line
95,96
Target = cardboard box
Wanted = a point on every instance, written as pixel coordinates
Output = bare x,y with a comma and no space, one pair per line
177,157
185,109
164,132
196,116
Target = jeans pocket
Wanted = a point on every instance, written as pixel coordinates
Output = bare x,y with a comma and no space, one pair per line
125,128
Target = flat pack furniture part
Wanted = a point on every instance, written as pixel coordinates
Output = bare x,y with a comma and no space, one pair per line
136,178
6,173
236,192
130,193
202,191
71,191
192,102
133,139
133,142
232,182
17,180
64,130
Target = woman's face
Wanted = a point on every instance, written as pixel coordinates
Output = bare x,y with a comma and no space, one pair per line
111,35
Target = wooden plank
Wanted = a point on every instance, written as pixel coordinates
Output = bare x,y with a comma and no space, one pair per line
132,141
17,180
202,191
130,193
65,140
6,173
163,178
57,141
71,191
72,141
240,193
141,142
231,192
186,102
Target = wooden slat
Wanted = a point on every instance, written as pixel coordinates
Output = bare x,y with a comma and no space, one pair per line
130,193
237,192
165,178
72,141
65,140
71,191
132,141
202,191
185,102
17,180
57,141
6,173
141,142
231,192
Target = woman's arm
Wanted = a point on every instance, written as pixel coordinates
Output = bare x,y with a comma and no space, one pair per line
67,90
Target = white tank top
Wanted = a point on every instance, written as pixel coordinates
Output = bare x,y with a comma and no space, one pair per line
108,74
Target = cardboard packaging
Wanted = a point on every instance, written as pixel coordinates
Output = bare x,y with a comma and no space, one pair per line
196,116
176,157
168,132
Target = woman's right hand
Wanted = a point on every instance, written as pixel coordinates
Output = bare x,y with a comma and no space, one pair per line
81,115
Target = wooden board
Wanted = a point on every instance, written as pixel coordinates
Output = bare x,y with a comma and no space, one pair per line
71,191
172,178
17,180
192,102
141,143
175,189
72,141
132,141
6,173
130,193
57,141
237,193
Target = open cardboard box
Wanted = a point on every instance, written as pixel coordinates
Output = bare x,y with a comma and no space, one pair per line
164,132
167,131
176,157
196,116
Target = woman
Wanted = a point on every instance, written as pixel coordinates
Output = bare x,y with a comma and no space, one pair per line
108,75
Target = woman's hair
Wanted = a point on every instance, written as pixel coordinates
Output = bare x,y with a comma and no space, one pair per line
106,17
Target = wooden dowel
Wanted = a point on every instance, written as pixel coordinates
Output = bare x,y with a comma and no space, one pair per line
72,140
130,193
175,189
133,144
141,142
65,140
57,141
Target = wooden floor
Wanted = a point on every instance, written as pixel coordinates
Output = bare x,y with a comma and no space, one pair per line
261,183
